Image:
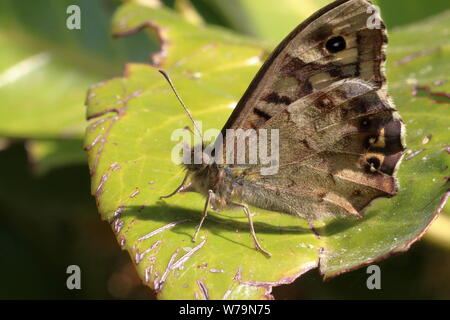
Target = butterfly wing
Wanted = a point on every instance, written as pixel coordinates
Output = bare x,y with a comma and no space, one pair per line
340,137
312,57
338,150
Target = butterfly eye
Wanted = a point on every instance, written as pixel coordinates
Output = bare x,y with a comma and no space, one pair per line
374,163
336,44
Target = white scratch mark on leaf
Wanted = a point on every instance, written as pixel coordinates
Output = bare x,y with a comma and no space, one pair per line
141,256
135,193
226,295
158,286
216,270
238,275
183,259
168,226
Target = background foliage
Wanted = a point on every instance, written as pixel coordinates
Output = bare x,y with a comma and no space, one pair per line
44,192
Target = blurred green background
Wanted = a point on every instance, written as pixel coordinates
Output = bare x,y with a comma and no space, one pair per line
48,220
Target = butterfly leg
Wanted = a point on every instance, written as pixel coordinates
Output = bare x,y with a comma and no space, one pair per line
205,213
183,187
252,228
313,229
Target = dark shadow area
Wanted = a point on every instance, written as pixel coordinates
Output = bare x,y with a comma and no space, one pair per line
214,223
48,223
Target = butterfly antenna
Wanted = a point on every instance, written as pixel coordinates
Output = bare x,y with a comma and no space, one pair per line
166,76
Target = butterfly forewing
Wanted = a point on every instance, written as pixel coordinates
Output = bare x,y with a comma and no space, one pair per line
311,58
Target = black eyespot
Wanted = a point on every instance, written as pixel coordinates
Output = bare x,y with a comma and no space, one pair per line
374,162
336,44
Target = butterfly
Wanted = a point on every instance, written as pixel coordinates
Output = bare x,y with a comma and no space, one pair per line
340,137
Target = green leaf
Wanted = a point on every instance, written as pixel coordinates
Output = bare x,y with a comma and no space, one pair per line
129,148
45,69
411,10
40,93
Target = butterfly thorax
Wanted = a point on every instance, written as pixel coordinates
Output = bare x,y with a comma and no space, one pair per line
218,178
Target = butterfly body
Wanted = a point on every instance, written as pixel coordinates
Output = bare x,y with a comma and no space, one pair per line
212,177
340,137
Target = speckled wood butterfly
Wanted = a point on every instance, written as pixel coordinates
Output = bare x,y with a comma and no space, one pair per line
340,136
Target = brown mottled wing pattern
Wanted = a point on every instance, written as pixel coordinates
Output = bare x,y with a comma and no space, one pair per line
340,137
301,64
339,149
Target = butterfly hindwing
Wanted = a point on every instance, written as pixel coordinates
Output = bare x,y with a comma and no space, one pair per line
338,148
